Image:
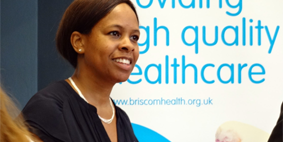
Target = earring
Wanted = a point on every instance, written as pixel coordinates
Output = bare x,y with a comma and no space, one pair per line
80,50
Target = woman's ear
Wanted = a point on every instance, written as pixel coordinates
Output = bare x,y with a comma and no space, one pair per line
77,42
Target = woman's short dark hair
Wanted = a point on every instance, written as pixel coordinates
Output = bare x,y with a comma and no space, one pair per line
82,16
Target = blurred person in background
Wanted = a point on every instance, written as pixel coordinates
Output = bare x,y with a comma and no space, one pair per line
12,126
277,133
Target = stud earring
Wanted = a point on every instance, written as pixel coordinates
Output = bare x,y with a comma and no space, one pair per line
80,50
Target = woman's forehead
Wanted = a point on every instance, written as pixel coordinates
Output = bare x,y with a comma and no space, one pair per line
122,16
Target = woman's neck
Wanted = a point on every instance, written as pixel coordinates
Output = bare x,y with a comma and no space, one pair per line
95,90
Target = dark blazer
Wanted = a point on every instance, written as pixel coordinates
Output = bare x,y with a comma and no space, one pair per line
277,133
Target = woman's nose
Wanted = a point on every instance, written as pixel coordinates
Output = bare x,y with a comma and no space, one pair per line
126,45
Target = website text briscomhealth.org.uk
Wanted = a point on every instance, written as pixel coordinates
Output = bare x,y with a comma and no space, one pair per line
249,33
165,102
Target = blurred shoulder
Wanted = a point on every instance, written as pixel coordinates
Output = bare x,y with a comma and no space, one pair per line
55,91
51,97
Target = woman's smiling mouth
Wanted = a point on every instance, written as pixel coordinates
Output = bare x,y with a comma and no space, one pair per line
123,61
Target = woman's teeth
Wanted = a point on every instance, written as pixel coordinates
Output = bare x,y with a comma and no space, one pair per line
124,61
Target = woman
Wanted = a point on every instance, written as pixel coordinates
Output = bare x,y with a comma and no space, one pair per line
11,129
99,38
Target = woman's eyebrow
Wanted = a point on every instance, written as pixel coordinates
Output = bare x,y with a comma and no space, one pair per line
136,31
121,27
115,26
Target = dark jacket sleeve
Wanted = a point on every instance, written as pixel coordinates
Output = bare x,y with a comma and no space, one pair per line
277,133
43,114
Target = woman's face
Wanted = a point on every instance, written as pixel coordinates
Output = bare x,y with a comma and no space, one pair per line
111,49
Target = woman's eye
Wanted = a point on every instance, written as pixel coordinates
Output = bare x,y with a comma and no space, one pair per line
115,33
135,38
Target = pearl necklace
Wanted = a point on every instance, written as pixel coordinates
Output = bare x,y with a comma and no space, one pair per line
107,121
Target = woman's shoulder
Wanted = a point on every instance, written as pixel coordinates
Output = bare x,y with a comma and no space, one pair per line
51,97
44,111
56,91
55,88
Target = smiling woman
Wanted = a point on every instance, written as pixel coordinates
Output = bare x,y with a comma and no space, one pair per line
99,38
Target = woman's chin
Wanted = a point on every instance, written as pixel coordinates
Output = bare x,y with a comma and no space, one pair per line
122,78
